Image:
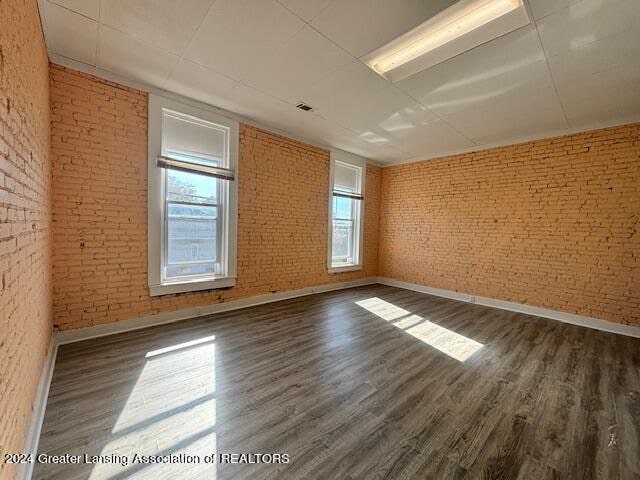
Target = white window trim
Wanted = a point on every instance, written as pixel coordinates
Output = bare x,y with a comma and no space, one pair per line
358,162
155,201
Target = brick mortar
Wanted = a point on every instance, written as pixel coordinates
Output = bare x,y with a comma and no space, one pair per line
25,221
550,223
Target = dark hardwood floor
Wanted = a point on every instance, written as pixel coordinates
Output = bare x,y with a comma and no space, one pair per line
371,382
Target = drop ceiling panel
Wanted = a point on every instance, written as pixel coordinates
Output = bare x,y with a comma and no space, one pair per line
530,109
611,93
87,8
344,85
305,58
436,136
361,26
306,9
237,33
476,77
611,52
587,21
378,109
200,83
542,8
127,56
70,34
168,25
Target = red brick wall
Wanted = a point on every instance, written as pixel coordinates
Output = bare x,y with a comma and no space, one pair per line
552,223
25,258
99,157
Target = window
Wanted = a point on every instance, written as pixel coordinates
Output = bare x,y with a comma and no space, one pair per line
192,198
346,212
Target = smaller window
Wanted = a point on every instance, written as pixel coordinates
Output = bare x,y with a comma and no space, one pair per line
346,212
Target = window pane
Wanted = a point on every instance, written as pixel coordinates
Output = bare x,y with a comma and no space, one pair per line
192,234
203,141
343,207
191,187
342,241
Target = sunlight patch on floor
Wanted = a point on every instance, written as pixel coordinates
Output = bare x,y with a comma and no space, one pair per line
385,310
171,409
446,341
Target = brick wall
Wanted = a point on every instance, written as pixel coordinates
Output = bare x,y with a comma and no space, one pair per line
552,223
99,158
25,282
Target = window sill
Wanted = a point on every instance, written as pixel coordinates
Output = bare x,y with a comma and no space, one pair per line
345,268
191,286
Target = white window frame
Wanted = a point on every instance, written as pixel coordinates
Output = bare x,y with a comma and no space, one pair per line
156,203
361,163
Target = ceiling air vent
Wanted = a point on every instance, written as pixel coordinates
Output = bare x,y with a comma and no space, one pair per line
304,106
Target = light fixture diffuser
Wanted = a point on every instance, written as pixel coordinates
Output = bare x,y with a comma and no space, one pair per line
461,27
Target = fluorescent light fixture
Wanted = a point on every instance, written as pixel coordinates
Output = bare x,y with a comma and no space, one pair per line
457,29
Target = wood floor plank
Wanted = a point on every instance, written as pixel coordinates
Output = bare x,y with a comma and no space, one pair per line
370,382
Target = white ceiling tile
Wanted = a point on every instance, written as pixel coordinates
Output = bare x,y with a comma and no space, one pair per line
542,8
119,53
169,25
306,9
597,81
387,109
348,82
248,101
200,83
303,60
318,129
88,8
361,26
70,34
607,95
383,154
531,109
610,52
388,154
476,77
237,33
585,22
428,139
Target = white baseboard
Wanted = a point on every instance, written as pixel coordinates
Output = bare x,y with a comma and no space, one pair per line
70,336
25,470
565,317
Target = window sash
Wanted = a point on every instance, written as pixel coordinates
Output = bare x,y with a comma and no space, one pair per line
219,266
349,257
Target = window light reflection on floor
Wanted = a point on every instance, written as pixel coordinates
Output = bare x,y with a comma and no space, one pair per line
180,346
451,343
170,408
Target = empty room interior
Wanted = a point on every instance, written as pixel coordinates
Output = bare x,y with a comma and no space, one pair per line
319,239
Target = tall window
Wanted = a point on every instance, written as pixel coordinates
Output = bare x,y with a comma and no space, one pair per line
347,211
192,198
